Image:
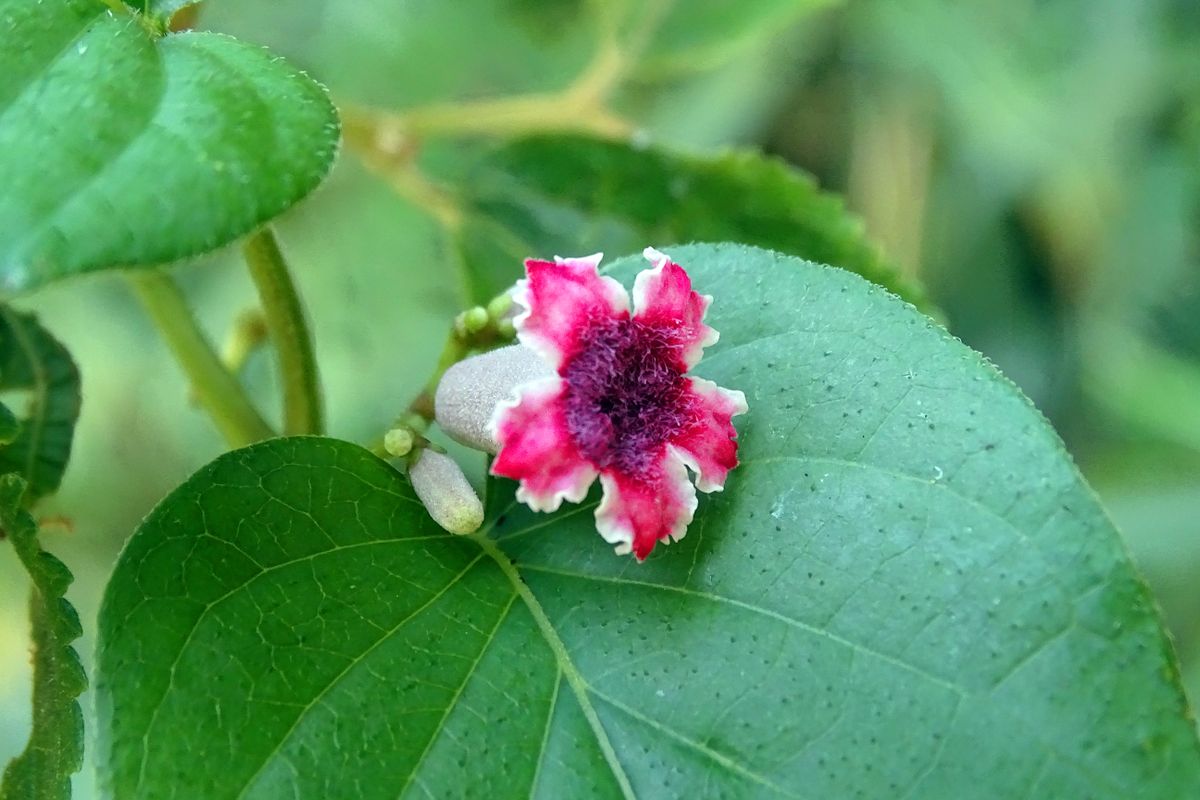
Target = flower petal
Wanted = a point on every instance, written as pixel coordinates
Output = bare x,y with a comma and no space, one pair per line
638,512
562,298
663,298
707,444
536,448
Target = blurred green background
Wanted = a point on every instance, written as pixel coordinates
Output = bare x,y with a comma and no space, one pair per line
1035,163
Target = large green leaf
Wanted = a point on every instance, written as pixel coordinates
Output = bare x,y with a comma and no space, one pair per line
33,361
120,149
55,750
905,590
572,194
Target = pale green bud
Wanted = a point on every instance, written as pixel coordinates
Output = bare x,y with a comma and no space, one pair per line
471,321
398,442
444,490
499,306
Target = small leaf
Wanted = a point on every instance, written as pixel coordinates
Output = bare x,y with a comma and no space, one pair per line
55,750
122,150
905,590
32,360
570,195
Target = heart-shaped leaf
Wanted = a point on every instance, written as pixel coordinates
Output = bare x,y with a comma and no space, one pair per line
905,590
33,361
120,149
575,194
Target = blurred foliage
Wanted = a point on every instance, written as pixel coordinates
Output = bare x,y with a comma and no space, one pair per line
1035,163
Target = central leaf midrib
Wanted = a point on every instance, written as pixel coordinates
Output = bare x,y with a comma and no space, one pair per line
814,630
336,680
563,659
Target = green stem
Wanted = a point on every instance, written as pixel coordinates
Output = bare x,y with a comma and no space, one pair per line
289,333
419,413
218,391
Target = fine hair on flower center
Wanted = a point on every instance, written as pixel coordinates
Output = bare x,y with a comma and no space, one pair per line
626,395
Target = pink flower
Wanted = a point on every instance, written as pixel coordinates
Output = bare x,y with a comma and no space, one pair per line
621,406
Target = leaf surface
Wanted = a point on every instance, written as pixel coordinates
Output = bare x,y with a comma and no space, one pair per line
905,590
119,149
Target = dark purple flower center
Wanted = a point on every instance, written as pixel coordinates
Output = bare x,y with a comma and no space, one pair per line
625,395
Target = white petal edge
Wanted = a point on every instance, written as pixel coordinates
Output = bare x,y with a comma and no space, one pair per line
641,286
618,300
574,492
618,534
737,397
656,257
592,261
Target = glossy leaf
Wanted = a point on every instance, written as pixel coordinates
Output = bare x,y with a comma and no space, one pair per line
33,361
120,149
572,195
55,750
905,590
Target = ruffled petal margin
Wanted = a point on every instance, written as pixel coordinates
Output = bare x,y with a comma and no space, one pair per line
562,300
708,443
638,512
537,450
663,298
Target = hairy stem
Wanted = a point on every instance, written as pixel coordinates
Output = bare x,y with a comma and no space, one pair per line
218,392
289,333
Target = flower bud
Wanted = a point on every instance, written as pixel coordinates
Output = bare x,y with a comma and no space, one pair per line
468,393
398,442
471,321
443,488
501,307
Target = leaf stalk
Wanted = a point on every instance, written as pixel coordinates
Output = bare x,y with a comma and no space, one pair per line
217,390
289,332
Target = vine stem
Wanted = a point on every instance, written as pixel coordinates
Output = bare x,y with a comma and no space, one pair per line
289,333
219,393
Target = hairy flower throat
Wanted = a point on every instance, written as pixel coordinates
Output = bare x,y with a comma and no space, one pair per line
626,394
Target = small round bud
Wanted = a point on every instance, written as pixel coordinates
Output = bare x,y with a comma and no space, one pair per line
398,442
499,306
471,321
470,390
444,490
